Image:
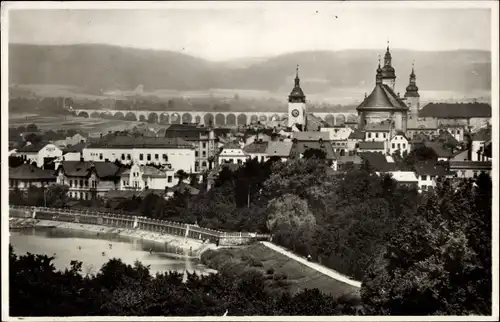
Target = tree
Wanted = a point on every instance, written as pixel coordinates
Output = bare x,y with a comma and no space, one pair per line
57,196
314,153
32,128
433,254
181,175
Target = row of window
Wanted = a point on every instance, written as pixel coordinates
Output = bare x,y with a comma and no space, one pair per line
156,156
376,135
399,145
80,195
204,154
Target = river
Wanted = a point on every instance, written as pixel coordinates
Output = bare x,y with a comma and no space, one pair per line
93,251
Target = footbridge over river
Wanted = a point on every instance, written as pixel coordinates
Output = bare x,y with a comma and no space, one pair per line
206,117
134,222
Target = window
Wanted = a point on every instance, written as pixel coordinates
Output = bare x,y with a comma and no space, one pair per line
204,164
169,179
81,183
376,135
100,156
129,157
156,157
165,157
204,145
369,135
404,145
394,145
196,153
123,156
149,157
424,177
399,145
141,156
204,153
124,183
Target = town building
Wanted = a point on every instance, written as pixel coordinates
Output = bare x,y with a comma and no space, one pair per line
466,114
143,151
71,140
404,178
297,106
469,169
383,104
256,150
427,173
42,154
232,153
28,175
399,144
279,149
204,140
140,177
478,145
371,146
89,180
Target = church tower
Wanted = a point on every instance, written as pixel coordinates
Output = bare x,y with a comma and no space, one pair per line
388,73
297,105
412,97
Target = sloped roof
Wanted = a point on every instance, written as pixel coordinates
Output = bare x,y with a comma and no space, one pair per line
446,137
232,145
456,110
279,148
356,159
75,148
371,145
301,147
256,147
182,186
311,136
357,135
381,98
141,142
148,171
378,127
429,167
376,160
482,135
473,165
440,149
404,176
32,147
82,169
31,172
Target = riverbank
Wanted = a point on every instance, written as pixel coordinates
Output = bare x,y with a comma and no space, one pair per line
190,247
281,272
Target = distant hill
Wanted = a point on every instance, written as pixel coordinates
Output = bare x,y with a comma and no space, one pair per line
107,68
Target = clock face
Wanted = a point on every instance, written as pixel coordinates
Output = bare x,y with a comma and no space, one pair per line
295,113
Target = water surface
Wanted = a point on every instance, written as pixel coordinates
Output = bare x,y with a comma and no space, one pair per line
95,250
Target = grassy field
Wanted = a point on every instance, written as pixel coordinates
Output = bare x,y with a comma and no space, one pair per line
281,272
88,125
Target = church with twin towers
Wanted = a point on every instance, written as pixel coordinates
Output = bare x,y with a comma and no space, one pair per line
382,105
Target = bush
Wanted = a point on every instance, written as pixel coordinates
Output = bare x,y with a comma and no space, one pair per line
256,263
270,271
280,277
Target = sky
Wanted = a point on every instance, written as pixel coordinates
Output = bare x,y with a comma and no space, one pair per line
258,31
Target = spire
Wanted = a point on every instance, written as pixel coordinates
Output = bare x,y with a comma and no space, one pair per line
387,57
297,79
297,95
378,77
412,88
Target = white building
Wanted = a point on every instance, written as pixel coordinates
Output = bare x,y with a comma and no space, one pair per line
144,150
147,177
428,173
400,143
407,178
232,153
256,150
40,153
479,141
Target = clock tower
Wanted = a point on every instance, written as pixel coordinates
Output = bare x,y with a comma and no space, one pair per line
297,105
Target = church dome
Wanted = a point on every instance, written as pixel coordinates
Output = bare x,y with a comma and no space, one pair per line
388,72
297,95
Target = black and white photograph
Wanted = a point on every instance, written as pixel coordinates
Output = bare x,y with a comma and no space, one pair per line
255,160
